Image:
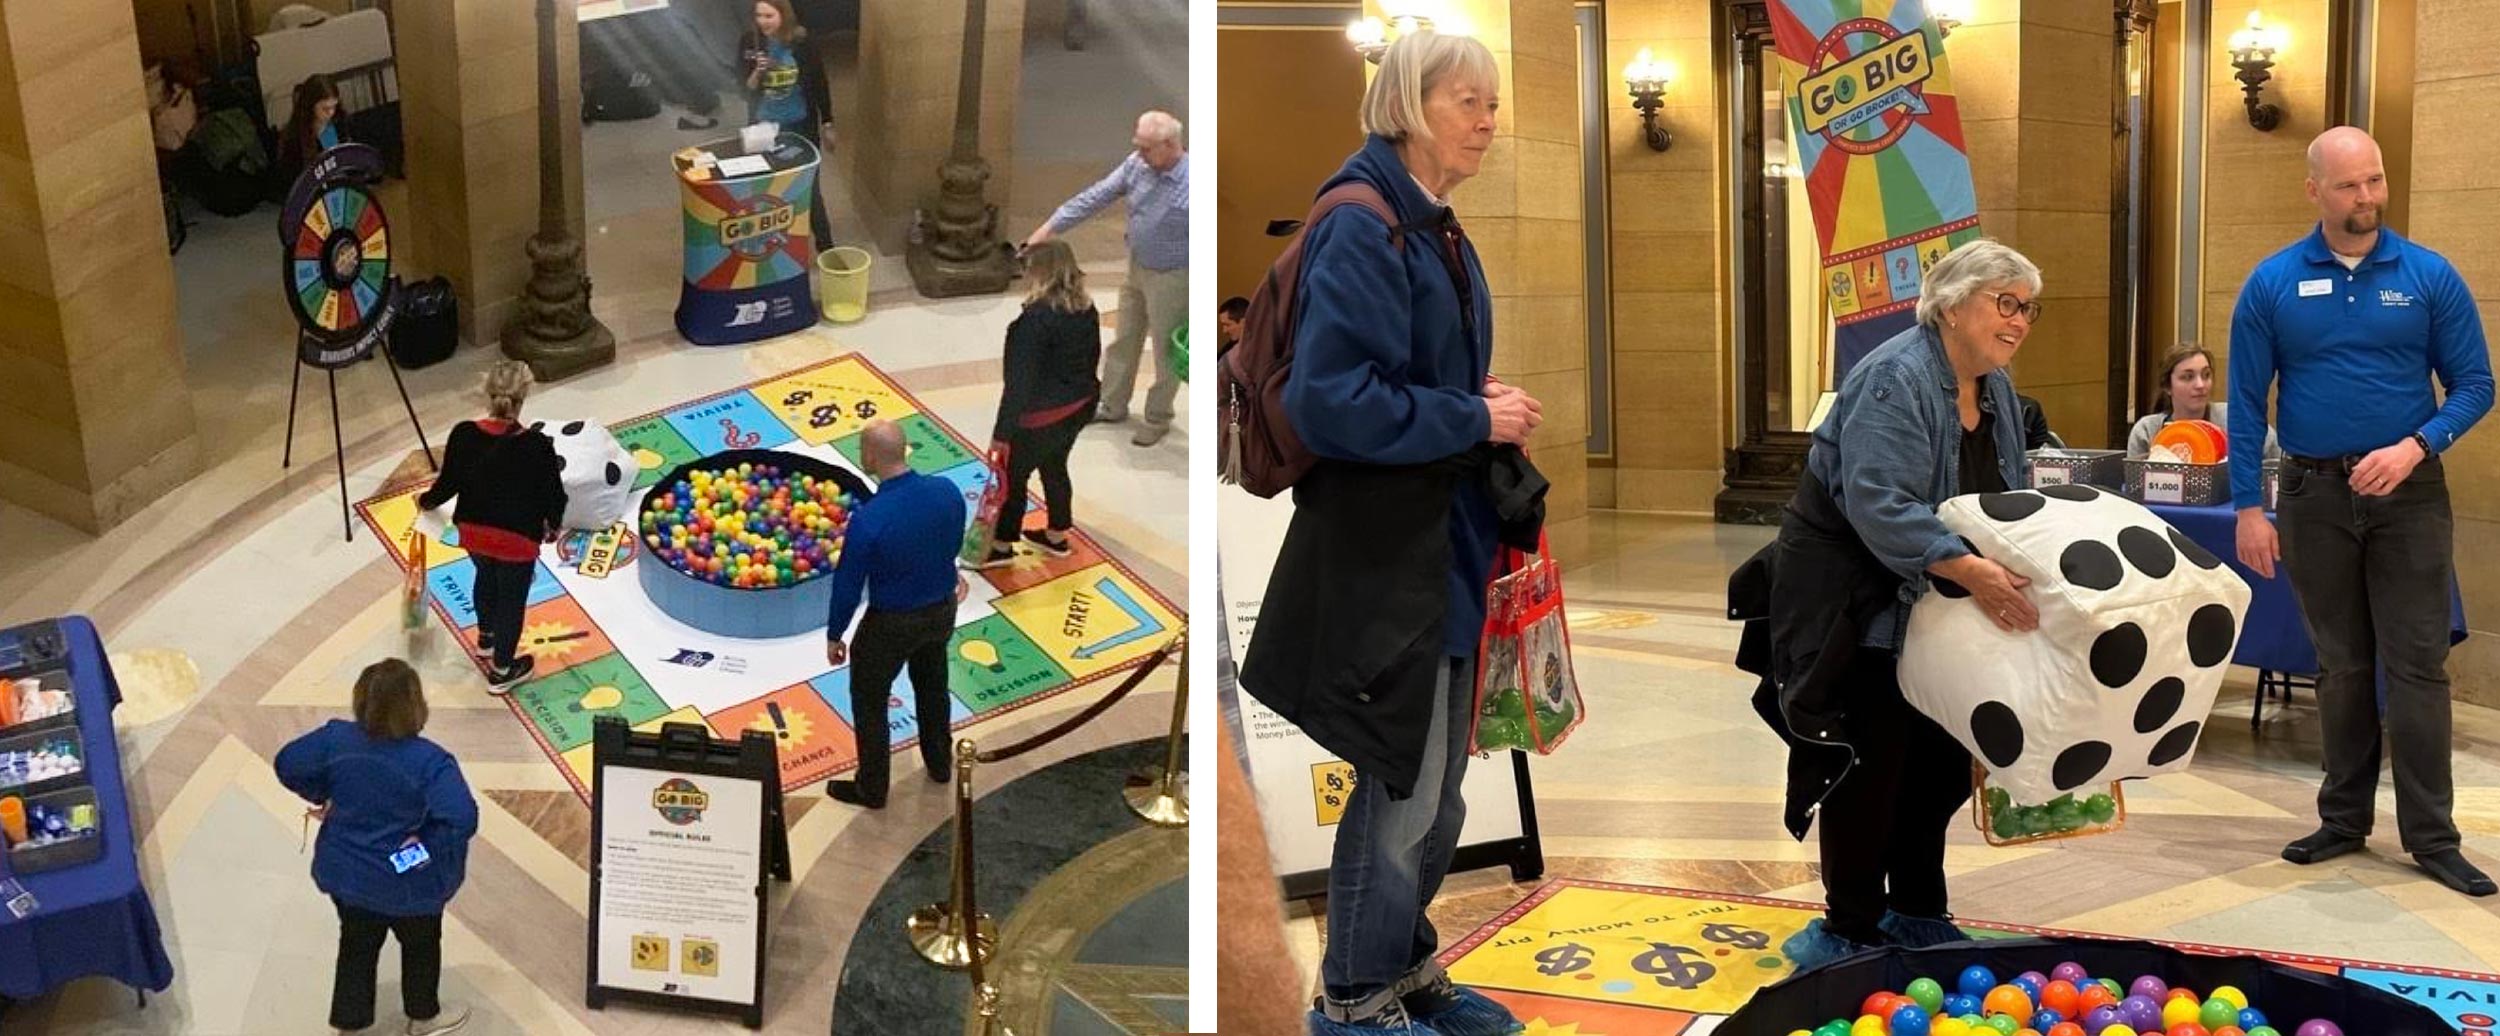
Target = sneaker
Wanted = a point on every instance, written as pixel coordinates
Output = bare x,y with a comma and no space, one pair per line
1149,434
2452,870
1920,932
998,557
1390,1017
452,1018
1058,548
1455,1010
499,681
1104,414
1815,946
2320,846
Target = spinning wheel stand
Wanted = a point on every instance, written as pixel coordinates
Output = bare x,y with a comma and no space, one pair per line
337,269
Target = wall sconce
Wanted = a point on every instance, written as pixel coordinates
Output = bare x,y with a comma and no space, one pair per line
2252,52
1648,78
1371,36
1949,14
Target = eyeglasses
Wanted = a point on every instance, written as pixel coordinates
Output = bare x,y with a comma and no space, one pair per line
2008,305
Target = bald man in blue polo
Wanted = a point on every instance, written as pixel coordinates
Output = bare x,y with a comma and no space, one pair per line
2350,324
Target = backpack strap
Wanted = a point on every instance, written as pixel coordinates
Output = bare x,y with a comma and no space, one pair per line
1353,192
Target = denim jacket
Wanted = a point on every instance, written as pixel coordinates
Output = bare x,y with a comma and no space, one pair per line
1890,451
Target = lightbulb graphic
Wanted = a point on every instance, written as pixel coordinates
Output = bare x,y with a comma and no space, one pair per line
982,653
600,698
648,458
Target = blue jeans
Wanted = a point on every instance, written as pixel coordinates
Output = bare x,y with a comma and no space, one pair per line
1391,856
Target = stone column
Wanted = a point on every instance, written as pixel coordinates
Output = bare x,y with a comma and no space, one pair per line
2254,204
95,411
909,57
468,74
2453,206
1523,213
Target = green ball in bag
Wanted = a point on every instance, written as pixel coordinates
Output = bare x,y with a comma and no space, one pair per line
1494,731
1553,721
2101,808
1507,703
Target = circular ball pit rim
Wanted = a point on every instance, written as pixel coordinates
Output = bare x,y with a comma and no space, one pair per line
750,613
2287,994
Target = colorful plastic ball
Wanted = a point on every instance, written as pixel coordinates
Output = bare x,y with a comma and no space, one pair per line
2038,981
2100,1017
1960,1004
2004,1024
2046,1018
2239,1000
2319,1027
1976,980
2008,1000
2060,996
2071,972
2094,994
1867,1025
2217,1013
2140,1012
2252,1020
2064,1029
1880,1004
2190,1029
1948,1026
2119,1030
2150,987
1927,993
2116,992
2230,1030
2263,1030
2181,993
1909,1019
2178,1012
1835,1027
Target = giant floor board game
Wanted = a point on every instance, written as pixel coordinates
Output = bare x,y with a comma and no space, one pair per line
1584,958
1023,633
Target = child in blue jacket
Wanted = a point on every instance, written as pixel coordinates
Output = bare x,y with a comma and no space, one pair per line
394,845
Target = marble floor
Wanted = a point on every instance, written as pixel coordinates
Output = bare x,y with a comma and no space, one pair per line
1674,781
237,618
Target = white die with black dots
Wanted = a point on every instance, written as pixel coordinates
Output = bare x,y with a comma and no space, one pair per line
2137,624
597,472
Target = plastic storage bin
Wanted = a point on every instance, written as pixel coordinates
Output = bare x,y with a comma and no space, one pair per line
36,859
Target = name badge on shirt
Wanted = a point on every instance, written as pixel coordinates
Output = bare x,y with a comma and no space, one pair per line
2321,286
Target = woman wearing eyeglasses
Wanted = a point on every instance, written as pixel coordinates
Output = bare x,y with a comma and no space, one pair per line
1927,416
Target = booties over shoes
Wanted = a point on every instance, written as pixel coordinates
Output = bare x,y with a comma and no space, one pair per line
1816,946
1455,1010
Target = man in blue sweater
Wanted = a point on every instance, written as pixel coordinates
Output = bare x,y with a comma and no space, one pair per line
900,549
2353,321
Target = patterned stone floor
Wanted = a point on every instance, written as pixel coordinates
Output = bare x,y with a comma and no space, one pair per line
1674,781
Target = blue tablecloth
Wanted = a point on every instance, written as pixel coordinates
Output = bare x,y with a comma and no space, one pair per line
93,919
2273,637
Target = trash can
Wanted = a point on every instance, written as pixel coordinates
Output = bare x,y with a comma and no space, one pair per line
842,281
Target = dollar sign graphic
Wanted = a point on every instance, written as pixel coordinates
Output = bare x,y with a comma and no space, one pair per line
824,415
1563,959
1736,935
1666,963
865,409
798,397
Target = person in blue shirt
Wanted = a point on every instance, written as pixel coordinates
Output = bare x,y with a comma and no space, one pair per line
2346,328
785,84
1154,181
900,551
382,791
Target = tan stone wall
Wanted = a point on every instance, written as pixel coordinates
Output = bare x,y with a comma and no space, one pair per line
2455,200
98,419
1295,92
2253,200
1665,234
468,74
910,58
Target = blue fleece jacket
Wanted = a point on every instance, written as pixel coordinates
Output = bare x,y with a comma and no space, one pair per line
380,792
1384,369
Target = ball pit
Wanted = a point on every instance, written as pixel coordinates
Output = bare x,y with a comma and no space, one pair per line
2034,1004
745,541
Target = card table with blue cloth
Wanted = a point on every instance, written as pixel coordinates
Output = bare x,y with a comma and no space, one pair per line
91,918
2273,639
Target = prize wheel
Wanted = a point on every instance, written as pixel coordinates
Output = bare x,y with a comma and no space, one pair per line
338,264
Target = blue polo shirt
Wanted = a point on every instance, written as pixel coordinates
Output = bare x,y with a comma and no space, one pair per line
2355,350
900,548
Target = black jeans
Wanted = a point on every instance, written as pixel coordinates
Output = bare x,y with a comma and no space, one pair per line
2372,574
502,589
1882,828
360,951
819,222
886,642
1043,450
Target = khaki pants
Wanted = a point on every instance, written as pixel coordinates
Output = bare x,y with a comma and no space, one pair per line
1150,310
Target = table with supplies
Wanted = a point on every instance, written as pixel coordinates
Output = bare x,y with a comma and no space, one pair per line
748,243
89,914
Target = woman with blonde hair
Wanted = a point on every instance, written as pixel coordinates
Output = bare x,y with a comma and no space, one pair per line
1052,350
511,490
396,819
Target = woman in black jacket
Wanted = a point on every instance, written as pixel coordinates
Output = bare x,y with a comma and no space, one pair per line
1053,349
511,492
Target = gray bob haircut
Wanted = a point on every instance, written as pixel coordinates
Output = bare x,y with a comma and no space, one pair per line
1159,125
1393,106
1965,270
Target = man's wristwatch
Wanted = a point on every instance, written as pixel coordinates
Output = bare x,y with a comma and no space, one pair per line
2424,442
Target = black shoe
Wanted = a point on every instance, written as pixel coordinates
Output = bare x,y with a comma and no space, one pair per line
2320,846
1057,548
998,557
942,775
499,682
2452,870
848,791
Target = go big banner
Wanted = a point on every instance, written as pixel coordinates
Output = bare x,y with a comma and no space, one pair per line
1878,134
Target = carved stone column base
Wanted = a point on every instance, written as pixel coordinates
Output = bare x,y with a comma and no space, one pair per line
938,278
1761,478
557,359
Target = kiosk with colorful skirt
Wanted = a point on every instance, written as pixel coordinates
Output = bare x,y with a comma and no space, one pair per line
748,246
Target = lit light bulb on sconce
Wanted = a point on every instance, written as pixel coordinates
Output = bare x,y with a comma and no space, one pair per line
1948,14
1648,79
2253,50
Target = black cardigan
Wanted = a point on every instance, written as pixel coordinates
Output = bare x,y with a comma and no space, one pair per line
1050,361
512,482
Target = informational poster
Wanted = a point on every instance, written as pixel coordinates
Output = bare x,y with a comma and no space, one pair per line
1878,133
1302,789
680,858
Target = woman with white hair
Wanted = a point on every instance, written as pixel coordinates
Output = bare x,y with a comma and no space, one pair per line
1376,604
1928,415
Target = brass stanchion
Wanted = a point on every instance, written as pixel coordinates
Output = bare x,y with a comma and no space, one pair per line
1163,799
955,934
